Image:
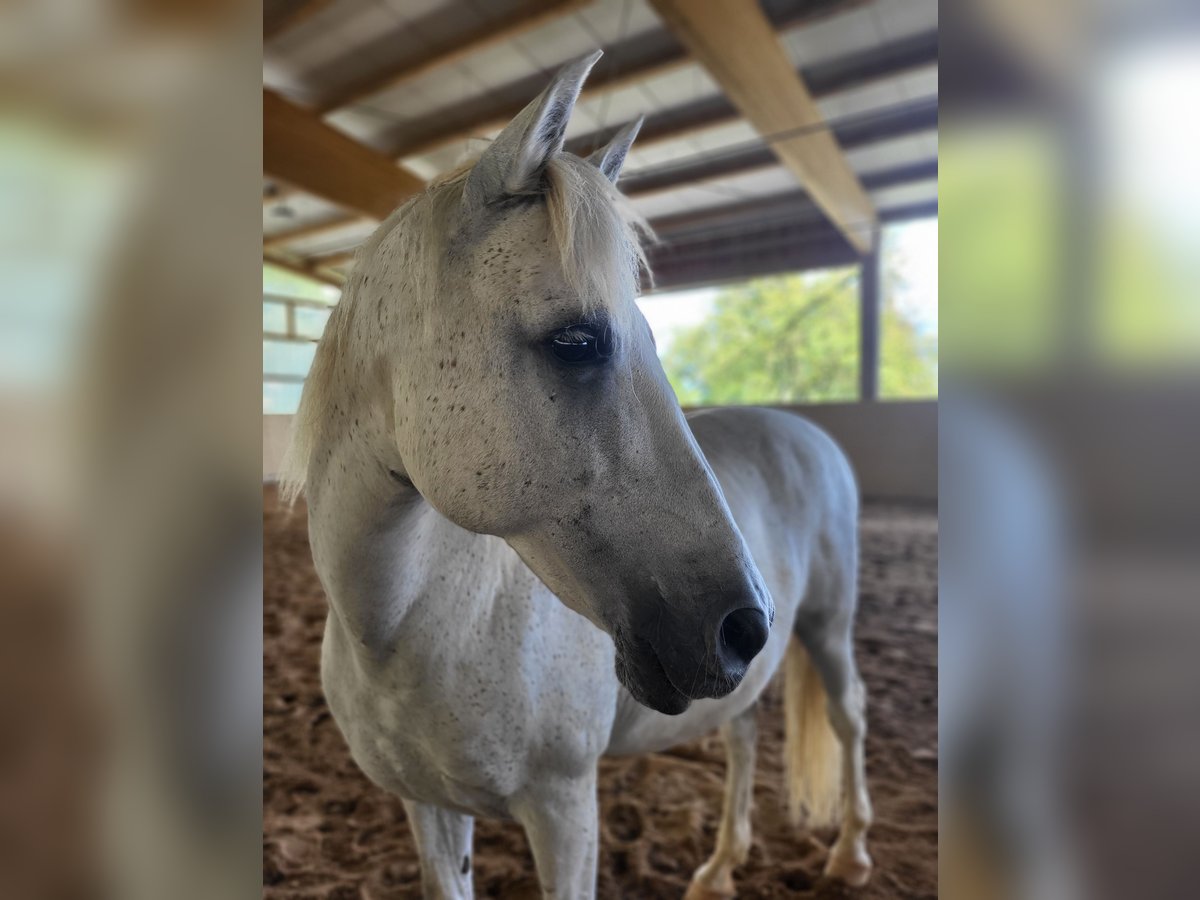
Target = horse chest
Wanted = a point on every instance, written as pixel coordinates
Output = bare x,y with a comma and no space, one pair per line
467,726
443,736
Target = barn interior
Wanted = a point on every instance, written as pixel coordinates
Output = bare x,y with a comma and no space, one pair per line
780,139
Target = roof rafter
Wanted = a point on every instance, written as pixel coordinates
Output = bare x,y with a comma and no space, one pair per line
792,205
302,150
612,74
299,11
850,135
740,49
825,80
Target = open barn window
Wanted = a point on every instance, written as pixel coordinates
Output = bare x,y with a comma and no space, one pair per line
797,338
908,339
777,340
295,310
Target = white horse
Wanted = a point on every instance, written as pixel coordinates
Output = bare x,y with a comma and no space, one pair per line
532,558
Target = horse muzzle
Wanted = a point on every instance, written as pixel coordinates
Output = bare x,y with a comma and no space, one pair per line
668,663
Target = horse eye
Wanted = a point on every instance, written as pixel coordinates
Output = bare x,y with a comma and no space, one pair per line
582,344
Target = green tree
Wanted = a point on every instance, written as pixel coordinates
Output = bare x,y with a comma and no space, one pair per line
791,339
908,358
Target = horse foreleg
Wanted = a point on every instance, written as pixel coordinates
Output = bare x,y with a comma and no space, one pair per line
561,821
444,847
715,878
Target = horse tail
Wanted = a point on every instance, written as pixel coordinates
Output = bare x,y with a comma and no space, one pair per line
814,755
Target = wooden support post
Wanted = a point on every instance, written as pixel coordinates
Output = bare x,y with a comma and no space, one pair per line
870,313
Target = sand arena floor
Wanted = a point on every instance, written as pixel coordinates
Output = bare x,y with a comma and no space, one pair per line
330,833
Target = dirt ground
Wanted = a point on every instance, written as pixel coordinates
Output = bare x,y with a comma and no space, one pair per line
330,833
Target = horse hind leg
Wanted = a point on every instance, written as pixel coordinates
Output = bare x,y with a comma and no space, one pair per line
444,848
714,879
832,657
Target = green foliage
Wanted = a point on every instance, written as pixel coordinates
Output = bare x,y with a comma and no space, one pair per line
283,283
908,358
792,339
781,340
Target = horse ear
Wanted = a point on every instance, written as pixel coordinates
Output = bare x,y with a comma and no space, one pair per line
611,157
514,162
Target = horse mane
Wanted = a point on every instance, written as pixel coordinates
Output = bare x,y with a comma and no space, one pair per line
596,231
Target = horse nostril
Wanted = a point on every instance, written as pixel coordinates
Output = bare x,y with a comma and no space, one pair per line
743,633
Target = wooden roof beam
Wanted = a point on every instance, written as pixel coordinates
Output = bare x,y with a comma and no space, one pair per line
843,75
298,12
791,205
611,77
740,49
303,151
827,79
851,134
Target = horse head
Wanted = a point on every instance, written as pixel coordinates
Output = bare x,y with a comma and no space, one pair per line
529,403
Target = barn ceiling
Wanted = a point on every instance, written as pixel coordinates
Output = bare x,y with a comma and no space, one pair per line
422,84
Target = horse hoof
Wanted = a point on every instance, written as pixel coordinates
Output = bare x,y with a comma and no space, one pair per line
851,868
697,891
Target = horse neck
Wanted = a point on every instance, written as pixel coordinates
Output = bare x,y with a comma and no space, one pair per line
382,551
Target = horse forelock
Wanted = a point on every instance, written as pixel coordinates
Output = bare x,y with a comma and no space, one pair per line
598,235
